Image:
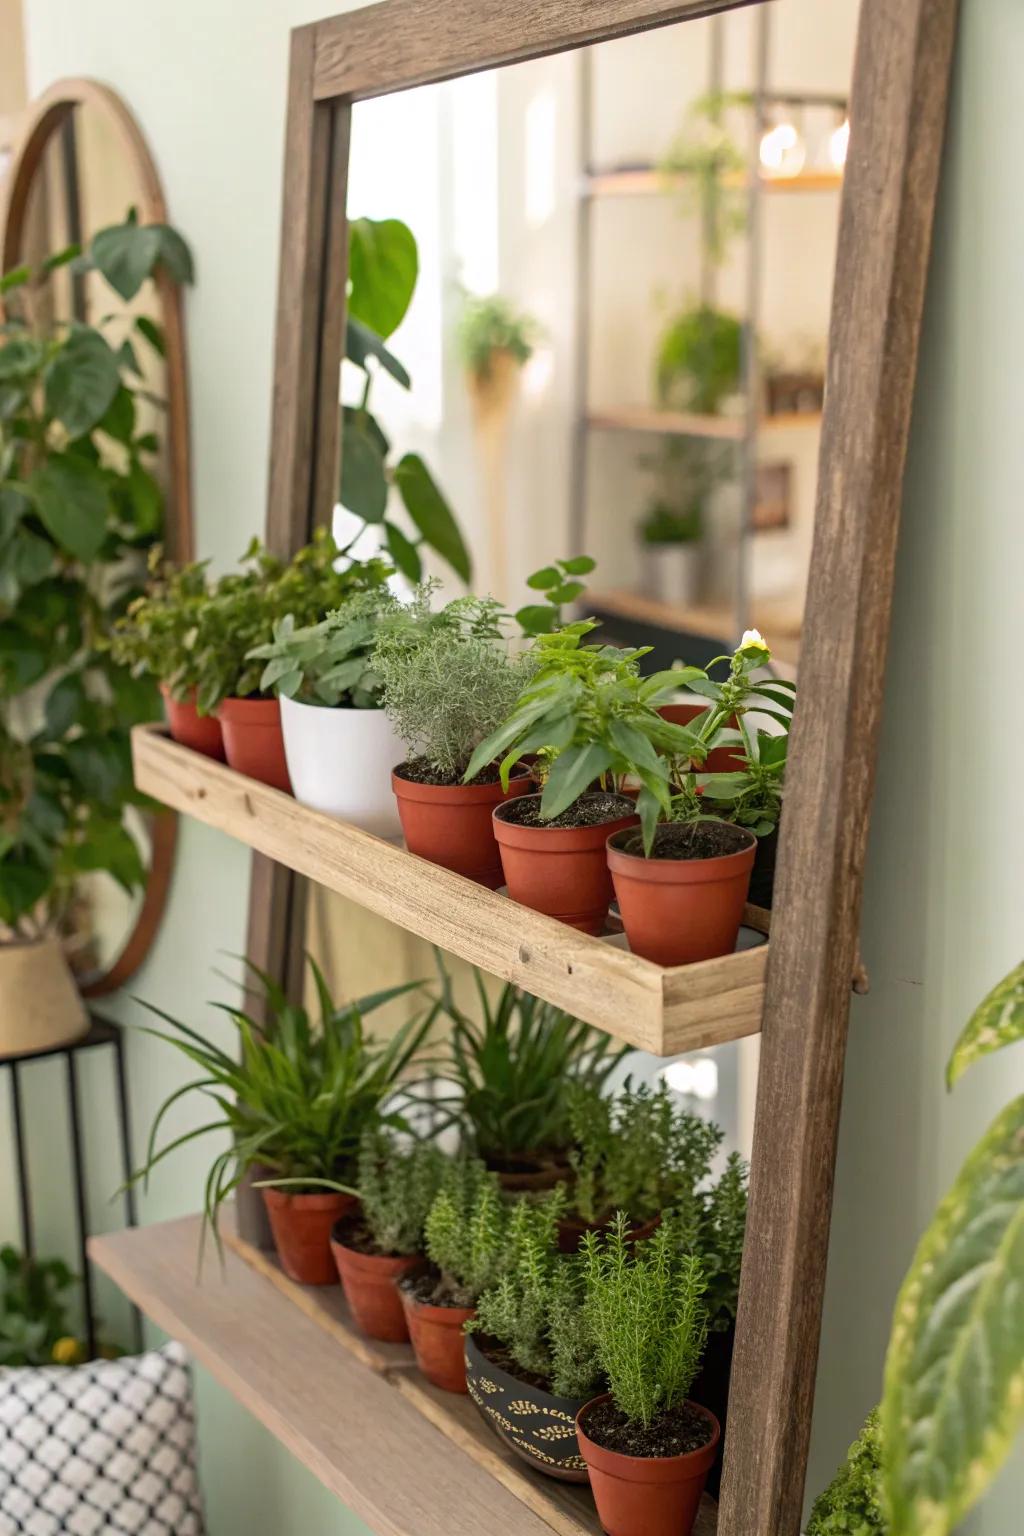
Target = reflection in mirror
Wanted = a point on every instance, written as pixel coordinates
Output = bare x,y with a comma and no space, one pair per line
616,346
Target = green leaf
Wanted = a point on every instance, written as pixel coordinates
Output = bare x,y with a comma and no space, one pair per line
364,486
65,705
566,592
153,334
174,255
541,580
20,357
13,506
995,1023
81,382
362,343
536,619
15,278
119,421
147,499
383,265
72,500
572,775
102,766
107,845
61,258
125,254
404,553
21,886
635,748
432,514
579,565
954,1375
27,560
23,661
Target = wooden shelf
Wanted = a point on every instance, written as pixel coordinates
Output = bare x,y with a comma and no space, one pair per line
780,625
664,1011
647,181
732,429
409,1459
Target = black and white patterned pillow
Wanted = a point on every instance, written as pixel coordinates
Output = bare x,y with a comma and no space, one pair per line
99,1449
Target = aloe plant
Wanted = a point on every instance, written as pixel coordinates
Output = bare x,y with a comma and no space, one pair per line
954,1375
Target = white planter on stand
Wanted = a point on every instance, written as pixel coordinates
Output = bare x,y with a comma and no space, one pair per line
672,573
340,761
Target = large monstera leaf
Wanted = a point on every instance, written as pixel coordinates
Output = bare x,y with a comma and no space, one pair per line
997,1022
954,1378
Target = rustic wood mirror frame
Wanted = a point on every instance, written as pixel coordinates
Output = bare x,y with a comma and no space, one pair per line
898,111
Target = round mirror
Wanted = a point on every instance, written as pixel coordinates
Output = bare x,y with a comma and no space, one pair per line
78,166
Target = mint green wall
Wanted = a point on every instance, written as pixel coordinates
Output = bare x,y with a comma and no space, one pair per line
207,81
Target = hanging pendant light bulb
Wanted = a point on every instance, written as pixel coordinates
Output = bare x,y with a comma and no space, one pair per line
839,145
783,151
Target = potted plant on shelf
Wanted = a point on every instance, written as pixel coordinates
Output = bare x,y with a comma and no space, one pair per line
465,1237
750,795
671,540
531,1362
851,1505
296,1104
382,1241
449,678
339,742
587,721
648,1449
637,1154
514,1069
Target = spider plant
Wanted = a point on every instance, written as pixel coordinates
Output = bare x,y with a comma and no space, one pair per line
299,1097
514,1068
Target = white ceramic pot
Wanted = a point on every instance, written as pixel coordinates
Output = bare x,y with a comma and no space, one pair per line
40,1007
340,761
672,572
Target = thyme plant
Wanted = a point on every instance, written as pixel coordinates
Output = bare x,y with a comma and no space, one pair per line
397,1187
713,1222
465,1232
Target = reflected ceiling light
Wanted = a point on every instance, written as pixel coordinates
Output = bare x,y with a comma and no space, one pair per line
697,1079
839,145
538,373
783,151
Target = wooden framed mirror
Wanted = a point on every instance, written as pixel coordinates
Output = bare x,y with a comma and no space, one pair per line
77,162
897,110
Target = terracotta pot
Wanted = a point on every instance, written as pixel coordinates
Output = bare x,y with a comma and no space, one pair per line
524,1174
253,742
200,732
562,871
40,1006
436,1334
571,1231
450,824
723,759
537,1426
302,1225
646,1496
368,1280
678,911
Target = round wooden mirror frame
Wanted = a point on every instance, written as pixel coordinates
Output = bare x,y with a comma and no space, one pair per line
49,115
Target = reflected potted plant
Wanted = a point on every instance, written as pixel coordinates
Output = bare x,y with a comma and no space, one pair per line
382,1241
647,1448
672,548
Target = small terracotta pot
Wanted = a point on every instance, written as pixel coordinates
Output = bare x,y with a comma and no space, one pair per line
302,1225
646,1496
368,1280
191,729
562,871
678,911
571,1230
450,824
537,1426
436,1334
722,759
253,742
525,1174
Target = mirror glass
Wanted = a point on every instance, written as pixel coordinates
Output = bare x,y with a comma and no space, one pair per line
658,217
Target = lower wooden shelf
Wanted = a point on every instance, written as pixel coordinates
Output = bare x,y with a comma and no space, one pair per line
409,1459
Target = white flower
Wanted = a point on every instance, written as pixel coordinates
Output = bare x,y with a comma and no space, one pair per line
752,639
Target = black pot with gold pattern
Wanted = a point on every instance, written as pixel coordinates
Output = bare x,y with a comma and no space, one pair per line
539,1427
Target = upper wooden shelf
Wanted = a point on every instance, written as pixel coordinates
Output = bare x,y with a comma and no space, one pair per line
409,1459
647,181
730,429
664,1011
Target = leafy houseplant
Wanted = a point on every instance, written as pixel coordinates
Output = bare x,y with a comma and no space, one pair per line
648,1450
448,679
700,361
384,1241
79,507
852,1503
296,1105
465,1235
34,1325
686,472
491,330
339,744
515,1068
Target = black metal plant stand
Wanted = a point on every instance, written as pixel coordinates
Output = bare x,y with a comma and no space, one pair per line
101,1032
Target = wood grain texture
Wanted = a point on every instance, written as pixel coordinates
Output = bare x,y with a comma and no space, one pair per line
401,43
361,1438
658,1010
898,110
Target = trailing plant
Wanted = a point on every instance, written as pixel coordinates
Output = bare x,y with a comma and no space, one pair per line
34,1324
636,1153
397,1186
492,325
953,1399
299,1096
515,1065
645,1305
537,1310
560,584
713,1222
701,159
331,662
587,715
851,1505
383,267
79,509
448,679
466,1233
